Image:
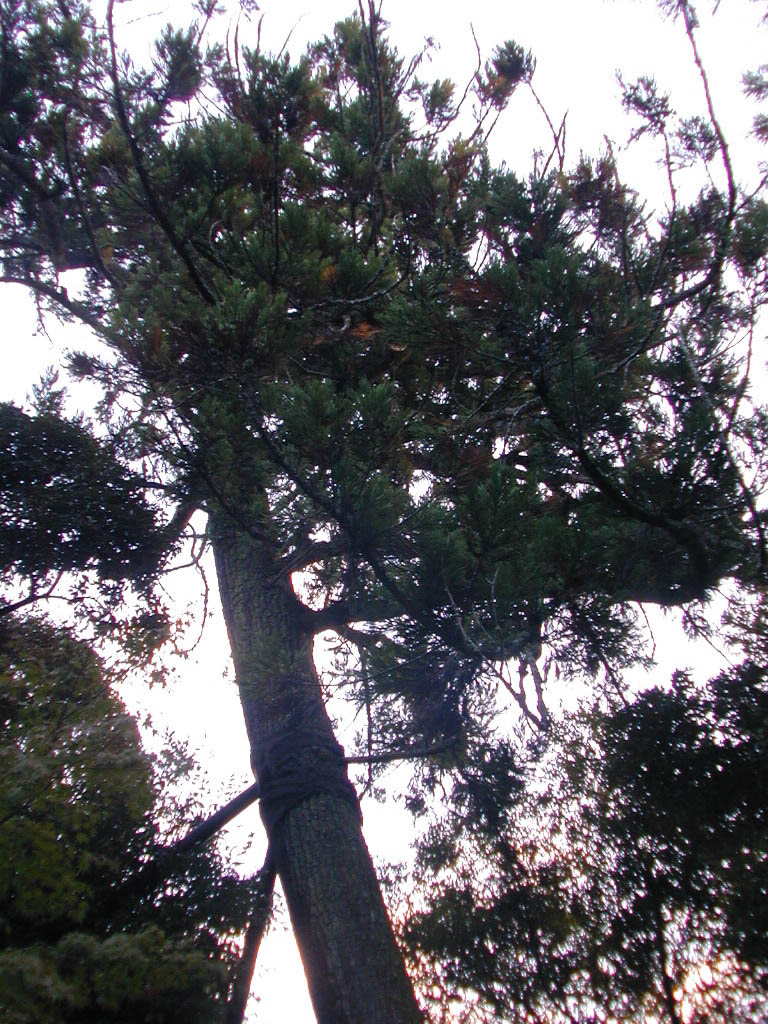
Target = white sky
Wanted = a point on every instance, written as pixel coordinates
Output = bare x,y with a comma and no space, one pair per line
579,45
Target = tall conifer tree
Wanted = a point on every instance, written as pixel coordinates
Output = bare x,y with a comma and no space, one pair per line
479,413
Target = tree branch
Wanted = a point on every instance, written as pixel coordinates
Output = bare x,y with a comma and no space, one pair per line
399,755
685,535
154,205
27,175
59,296
260,913
107,273
341,613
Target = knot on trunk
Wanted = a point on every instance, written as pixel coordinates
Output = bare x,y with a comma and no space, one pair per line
295,765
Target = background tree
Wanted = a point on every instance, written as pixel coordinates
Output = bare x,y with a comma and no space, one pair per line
647,895
71,508
85,933
480,413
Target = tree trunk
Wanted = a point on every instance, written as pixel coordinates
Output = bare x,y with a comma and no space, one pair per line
353,966
667,986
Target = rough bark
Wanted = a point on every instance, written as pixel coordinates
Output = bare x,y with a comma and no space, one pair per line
354,969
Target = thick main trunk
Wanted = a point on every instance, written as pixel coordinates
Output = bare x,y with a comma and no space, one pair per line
353,966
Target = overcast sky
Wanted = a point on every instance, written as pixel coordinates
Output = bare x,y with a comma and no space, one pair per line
579,45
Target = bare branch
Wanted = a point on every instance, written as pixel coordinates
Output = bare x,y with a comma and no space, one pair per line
32,597
399,755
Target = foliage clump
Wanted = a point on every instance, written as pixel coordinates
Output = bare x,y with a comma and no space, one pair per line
86,932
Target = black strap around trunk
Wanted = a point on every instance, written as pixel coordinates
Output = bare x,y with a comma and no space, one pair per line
287,777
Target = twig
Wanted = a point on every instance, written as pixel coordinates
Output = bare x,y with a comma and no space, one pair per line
7,609
557,136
